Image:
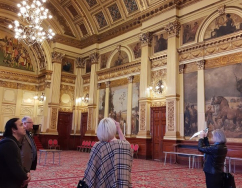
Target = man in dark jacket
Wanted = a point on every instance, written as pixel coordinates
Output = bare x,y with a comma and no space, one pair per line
214,157
12,173
28,150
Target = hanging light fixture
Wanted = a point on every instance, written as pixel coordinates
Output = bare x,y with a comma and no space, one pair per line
40,98
32,13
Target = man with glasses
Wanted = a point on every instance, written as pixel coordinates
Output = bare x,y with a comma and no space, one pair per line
29,150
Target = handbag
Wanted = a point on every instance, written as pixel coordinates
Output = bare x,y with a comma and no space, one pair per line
82,184
228,180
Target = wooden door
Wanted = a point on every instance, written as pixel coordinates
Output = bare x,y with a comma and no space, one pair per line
84,117
158,129
64,129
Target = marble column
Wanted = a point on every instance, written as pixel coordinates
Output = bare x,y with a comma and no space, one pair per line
97,108
92,103
173,92
200,95
107,98
145,77
53,105
129,106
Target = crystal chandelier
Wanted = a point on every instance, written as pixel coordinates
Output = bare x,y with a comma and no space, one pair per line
32,13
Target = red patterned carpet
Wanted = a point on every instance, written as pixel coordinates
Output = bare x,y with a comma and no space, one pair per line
145,174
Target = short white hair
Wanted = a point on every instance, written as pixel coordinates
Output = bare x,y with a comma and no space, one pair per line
219,136
106,129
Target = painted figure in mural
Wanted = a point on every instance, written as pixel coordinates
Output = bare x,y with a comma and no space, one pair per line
187,119
227,27
103,61
121,59
193,112
161,44
189,32
67,66
209,116
137,50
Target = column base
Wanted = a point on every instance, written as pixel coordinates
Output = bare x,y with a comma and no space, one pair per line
90,133
173,136
143,134
52,131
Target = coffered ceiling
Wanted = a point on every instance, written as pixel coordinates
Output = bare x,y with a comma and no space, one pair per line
81,23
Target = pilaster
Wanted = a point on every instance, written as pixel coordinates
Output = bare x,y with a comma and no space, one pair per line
129,106
173,128
107,98
181,110
98,104
53,105
145,77
201,95
91,124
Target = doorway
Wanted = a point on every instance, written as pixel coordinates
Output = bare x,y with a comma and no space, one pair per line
64,129
158,130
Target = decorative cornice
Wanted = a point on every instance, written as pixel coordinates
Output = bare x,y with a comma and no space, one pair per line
130,79
80,63
107,83
181,68
57,57
94,58
68,78
200,64
173,28
15,85
146,38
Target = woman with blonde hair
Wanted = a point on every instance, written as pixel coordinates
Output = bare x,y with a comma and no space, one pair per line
110,159
214,157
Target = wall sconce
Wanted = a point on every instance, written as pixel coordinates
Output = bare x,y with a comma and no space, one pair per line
40,98
158,88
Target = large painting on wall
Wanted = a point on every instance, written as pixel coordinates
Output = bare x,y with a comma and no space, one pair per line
136,48
160,42
189,30
68,65
119,58
223,94
118,104
190,103
102,94
13,54
104,60
223,25
135,110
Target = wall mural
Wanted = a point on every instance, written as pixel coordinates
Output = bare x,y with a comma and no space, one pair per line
104,60
190,103
223,25
13,54
136,48
68,65
189,30
118,104
160,42
135,109
131,6
101,19
223,95
119,58
114,12
102,94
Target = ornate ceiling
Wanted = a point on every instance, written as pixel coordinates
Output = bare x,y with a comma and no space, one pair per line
80,23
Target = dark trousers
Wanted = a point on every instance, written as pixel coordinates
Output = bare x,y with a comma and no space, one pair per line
25,186
214,180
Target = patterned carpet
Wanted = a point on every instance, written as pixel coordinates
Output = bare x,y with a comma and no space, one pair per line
145,174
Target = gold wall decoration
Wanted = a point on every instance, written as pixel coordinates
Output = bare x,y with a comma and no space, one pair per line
190,67
8,109
53,118
142,116
171,115
158,103
57,57
68,78
14,85
27,110
61,109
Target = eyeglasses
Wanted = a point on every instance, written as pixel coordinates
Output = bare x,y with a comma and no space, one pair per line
29,122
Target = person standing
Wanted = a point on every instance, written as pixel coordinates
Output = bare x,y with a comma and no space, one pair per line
12,172
214,157
29,150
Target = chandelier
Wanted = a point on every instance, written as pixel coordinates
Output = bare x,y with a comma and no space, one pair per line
32,13
40,98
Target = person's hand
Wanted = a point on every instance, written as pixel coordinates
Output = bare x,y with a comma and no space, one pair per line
27,180
117,125
202,134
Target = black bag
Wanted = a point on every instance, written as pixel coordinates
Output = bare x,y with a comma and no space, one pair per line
228,180
82,184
